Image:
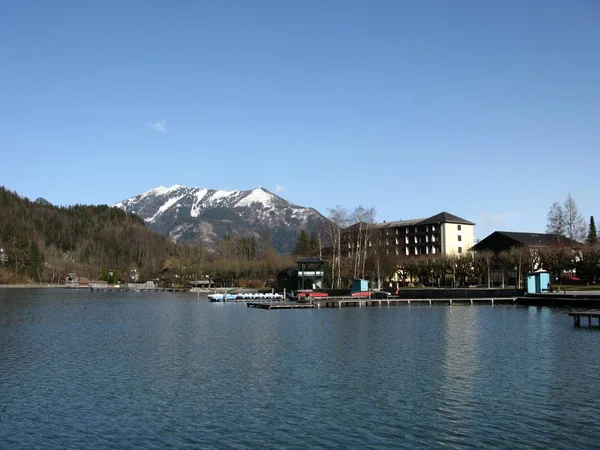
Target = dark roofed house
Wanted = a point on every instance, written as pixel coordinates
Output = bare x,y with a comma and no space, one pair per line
500,241
534,246
287,279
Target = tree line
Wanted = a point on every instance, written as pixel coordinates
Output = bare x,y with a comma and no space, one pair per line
350,257
42,243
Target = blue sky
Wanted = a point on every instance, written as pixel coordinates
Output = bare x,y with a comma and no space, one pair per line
487,110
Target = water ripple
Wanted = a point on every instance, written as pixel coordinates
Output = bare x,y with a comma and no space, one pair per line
82,370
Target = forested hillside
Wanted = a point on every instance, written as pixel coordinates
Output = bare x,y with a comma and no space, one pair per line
43,243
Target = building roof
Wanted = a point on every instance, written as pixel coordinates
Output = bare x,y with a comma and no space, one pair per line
446,217
503,240
309,259
442,217
288,272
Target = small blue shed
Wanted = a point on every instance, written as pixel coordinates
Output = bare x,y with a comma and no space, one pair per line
360,285
537,282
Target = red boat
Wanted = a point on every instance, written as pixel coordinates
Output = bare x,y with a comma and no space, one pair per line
312,294
362,294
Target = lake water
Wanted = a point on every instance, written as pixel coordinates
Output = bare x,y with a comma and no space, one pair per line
157,370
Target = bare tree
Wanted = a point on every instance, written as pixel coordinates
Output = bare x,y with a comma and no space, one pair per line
574,222
565,220
364,219
556,223
338,217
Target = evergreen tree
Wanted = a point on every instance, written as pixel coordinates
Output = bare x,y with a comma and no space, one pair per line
36,262
302,244
592,237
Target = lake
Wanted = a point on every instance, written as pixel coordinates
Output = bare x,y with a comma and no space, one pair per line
83,369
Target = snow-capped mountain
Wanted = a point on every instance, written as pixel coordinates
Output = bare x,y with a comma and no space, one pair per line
185,213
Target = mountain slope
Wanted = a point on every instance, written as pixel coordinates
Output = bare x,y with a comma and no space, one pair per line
185,213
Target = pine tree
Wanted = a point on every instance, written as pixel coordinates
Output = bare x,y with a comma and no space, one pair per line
302,244
592,237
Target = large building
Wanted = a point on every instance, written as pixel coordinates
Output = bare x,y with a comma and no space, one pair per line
443,233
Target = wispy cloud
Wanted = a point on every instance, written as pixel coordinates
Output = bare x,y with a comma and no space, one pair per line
279,189
497,220
160,126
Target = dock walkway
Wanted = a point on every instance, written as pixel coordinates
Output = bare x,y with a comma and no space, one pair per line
279,305
346,302
341,302
589,314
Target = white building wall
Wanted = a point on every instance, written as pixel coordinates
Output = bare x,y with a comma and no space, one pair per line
450,238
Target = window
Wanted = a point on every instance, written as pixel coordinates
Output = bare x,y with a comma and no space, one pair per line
459,227
459,238
459,249
396,241
432,227
433,250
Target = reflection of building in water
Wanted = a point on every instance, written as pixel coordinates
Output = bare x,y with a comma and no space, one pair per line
460,354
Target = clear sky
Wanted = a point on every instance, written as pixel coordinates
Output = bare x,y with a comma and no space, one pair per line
487,110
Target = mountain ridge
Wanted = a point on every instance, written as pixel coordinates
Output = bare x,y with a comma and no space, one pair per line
195,213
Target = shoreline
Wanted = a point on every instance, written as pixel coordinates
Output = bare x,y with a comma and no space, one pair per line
31,286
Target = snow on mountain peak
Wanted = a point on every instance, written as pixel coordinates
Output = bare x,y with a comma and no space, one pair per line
221,194
258,195
197,205
164,207
184,212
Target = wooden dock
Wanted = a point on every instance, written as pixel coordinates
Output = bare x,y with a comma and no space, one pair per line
343,302
347,302
279,305
577,315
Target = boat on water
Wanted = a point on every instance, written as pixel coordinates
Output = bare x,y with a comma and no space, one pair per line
228,297
221,297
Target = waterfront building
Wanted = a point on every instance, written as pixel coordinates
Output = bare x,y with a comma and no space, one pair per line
441,234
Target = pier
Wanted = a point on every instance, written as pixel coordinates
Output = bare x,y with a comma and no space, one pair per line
347,302
279,305
343,302
126,289
589,314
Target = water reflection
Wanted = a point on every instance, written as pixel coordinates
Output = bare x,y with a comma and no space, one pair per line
168,370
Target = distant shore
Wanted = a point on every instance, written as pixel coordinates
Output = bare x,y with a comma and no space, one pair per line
32,285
